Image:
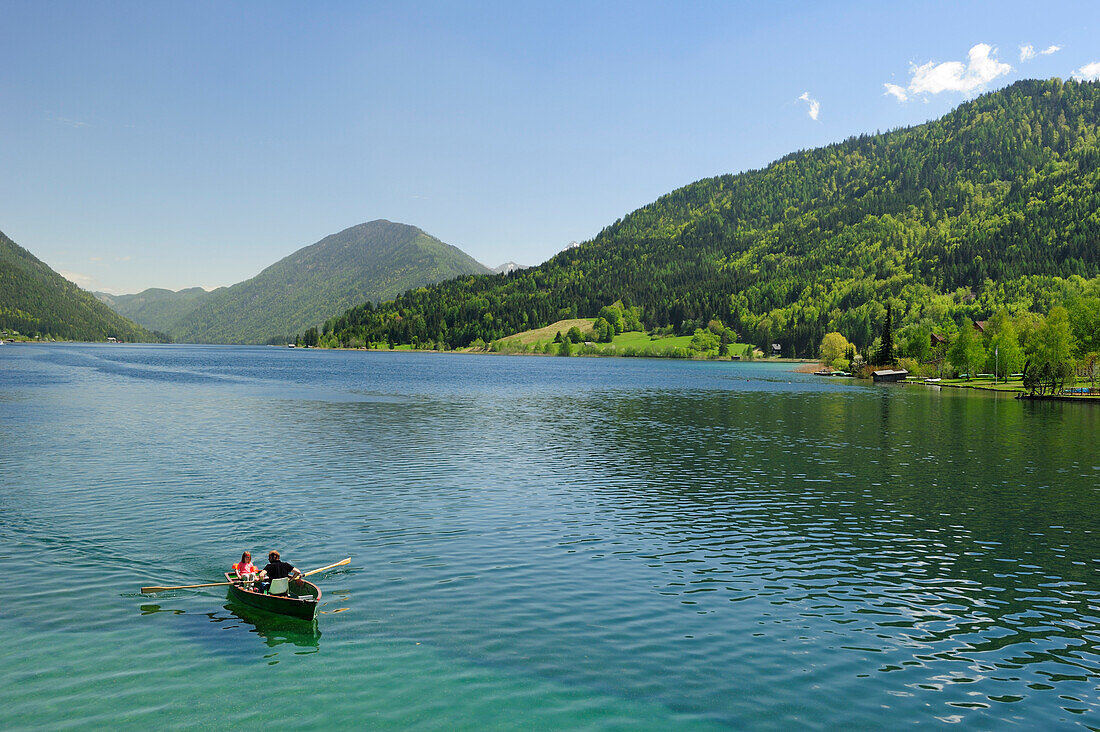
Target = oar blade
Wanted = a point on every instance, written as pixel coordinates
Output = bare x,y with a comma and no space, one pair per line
341,563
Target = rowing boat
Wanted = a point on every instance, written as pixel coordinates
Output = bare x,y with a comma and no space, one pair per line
301,601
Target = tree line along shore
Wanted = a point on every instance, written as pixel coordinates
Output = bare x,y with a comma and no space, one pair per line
1056,354
1043,355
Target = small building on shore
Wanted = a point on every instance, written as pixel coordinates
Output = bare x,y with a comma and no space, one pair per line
885,375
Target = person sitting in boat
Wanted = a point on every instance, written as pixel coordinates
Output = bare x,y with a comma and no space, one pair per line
277,569
245,569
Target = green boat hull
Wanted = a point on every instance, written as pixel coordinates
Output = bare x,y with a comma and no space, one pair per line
302,601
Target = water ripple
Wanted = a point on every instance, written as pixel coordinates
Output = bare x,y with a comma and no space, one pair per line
573,543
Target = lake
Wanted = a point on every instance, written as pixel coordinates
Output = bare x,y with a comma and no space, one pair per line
539,543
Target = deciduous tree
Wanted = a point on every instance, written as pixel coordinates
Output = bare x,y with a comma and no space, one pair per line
834,346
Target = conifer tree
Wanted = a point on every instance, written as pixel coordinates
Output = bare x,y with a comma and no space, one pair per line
885,355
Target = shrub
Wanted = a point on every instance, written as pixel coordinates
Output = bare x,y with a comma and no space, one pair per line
910,365
704,340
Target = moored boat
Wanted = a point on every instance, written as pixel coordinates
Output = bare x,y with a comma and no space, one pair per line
301,601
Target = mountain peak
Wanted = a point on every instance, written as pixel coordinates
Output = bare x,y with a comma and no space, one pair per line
375,260
509,267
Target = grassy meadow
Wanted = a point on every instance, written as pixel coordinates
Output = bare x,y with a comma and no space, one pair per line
631,343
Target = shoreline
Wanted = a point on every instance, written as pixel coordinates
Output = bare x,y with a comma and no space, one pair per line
806,362
799,365
1008,389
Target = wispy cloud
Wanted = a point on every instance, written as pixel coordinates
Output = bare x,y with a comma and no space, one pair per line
1088,72
67,121
896,91
1028,52
980,68
815,106
78,279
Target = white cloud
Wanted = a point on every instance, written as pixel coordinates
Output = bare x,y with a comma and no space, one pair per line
78,279
981,67
1088,72
897,91
1028,52
815,106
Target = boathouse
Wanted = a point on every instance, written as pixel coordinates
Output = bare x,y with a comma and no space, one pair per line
889,375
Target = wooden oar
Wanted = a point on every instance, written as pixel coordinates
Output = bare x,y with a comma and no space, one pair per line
341,563
149,590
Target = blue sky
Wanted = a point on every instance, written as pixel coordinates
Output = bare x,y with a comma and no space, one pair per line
159,144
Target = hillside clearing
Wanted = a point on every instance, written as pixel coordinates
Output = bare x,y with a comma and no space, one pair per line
539,335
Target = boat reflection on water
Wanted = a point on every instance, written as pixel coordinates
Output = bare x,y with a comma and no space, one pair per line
230,630
276,629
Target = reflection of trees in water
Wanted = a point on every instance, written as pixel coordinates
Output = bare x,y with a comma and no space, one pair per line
941,512
976,468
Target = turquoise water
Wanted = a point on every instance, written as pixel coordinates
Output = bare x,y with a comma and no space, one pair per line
539,543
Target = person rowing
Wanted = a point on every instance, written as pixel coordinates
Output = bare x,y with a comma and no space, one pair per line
277,569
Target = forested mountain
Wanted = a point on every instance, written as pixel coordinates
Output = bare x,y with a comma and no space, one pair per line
156,308
36,301
373,261
993,205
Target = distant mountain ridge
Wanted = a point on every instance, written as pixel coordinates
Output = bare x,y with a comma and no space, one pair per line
35,300
509,267
374,261
157,308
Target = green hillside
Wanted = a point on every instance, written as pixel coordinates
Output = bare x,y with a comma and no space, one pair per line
156,308
36,301
373,261
995,204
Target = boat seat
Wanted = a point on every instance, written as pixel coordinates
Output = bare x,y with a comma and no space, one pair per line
279,586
